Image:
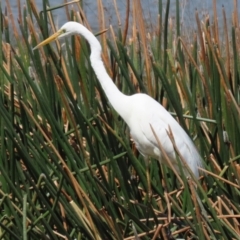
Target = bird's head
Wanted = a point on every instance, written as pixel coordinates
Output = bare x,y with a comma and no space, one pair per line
67,29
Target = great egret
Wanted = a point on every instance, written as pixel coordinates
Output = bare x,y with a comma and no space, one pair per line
144,116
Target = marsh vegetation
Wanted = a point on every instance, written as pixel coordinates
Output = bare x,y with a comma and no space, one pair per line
69,168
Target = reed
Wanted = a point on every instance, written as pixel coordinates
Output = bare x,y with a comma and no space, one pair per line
69,168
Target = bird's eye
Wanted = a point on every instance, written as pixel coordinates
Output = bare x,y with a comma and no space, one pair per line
64,30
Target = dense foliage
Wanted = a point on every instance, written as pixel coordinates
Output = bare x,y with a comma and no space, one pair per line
69,169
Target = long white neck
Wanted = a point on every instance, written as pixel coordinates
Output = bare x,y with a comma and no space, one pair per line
118,100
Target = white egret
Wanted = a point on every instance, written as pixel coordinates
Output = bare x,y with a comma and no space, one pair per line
141,112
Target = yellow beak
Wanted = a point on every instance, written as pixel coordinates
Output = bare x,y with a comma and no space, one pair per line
50,39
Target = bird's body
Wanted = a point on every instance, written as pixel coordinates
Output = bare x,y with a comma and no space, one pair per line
139,111
147,113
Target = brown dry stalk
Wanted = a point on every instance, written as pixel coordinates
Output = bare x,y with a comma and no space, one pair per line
85,217
200,75
62,211
126,22
7,65
158,229
168,207
206,234
234,102
34,9
235,14
231,205
220,178
69,83
216,34
203,52
101,21
19,12
66,7
60,235
137,8
216,166
82,17
184,229
36,36
185,165
11,17
194,200
218,208
165,156
145,233
117,12
235,221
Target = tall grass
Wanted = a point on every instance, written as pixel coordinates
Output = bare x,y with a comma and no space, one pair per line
69,168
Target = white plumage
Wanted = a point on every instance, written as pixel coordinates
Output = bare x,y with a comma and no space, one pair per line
139,111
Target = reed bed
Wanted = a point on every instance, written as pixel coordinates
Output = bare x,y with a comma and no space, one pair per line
69,169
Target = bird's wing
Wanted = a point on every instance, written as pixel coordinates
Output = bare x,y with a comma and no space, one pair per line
148,113
159,121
